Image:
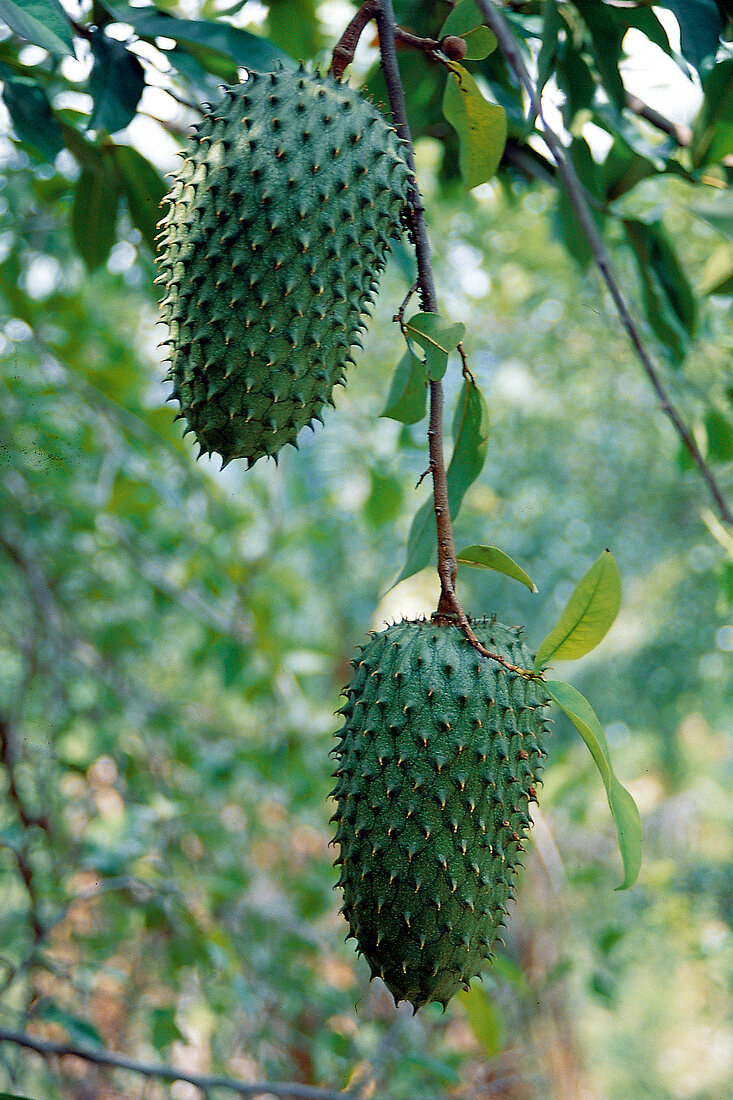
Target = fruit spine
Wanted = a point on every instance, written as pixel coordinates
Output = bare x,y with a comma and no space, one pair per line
277,231
438,760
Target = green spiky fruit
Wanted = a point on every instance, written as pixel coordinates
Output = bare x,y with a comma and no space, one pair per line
438,760
277,231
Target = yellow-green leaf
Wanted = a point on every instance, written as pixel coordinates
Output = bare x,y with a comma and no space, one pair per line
589,613
481,126
490,557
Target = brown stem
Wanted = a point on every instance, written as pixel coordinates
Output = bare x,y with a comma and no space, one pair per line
345,48
449,606
574,189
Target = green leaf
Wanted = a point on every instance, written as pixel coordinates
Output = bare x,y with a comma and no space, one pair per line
490,557
294,26
78,1030
481,126
12,1096
43,22
590,611
718,213
467,22
33,120
606,37
575,80
701,25
384,500
719,435
712,134
437,337
408,391
471,441
116,83
623,808
669,300
245,49
551,26
163,1028
143,188
94,216
487,1022
716,276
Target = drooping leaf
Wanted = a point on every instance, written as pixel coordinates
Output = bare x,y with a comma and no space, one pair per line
701,24
481,126
712,134
467,22
567,226
588,614
623,808
490,557
116,83
552,24
30,112
719,434
574,79
78,1029
408,391
143,188
94,215
437,337
669,301
487,1022
43,22
470,444
606,34
245,49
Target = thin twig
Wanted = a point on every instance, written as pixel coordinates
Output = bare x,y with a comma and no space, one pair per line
574,189
99,1057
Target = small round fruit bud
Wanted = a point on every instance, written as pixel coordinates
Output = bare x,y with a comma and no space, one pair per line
454,48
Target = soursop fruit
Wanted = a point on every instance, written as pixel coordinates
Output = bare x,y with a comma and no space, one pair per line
278,227
438,757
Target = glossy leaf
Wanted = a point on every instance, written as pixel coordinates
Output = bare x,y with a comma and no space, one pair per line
116,83
143,187
408,391
466,21
471,441
33,120
94,216
701,24
712,134
588,614
490,557
481,126
437,337
245,49
43,22
623,808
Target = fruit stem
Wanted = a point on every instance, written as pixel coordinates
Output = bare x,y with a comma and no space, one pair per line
449,607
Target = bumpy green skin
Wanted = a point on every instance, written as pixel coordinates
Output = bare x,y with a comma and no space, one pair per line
438,760
271,250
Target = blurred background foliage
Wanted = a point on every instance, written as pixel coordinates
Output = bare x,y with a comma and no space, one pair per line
173,638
